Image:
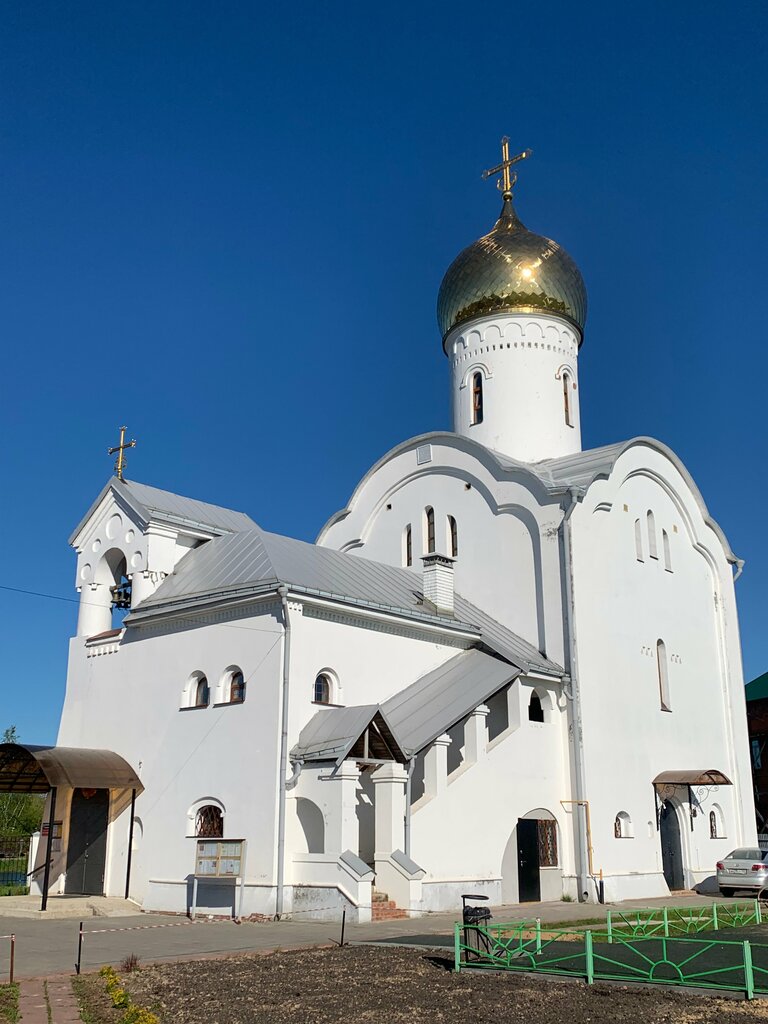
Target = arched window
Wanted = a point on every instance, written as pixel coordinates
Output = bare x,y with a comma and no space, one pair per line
408,546
638,541
661,668
237,688
477,398
322,691
622,826
209,822
429,517
653,550
535,709
201,693
567,398
716,827
666,550
453,537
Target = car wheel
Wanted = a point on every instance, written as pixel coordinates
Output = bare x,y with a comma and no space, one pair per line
725,891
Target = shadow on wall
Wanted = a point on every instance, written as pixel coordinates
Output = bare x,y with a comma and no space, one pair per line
213,897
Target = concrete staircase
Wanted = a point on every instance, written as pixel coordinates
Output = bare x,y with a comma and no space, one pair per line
384,909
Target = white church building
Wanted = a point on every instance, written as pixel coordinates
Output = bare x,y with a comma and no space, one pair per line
506,666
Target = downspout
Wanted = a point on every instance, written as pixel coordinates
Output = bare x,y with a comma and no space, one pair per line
283,594
407,835
582,847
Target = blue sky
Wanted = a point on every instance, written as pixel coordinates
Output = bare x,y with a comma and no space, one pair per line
226,226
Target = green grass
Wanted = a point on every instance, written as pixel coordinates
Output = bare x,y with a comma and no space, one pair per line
9,1003
14,890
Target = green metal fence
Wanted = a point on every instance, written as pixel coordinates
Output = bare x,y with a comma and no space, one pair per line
649,947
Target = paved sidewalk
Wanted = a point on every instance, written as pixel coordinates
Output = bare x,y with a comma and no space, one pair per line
45,948
37,996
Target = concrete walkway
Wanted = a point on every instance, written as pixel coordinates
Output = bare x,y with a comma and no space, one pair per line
77,907
45,948
37,997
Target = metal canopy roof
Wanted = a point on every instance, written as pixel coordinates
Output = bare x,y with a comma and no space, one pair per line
698,777
441,698
25,768
334,734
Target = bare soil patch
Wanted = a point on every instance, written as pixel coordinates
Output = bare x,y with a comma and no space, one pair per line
374,985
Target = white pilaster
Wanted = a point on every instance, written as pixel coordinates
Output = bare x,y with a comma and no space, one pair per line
436,766
389,798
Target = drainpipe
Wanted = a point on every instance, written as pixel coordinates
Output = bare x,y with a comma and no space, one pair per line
407,835
283,593
582,849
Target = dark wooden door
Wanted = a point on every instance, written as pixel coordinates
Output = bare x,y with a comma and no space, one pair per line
528,860
671,849
87,848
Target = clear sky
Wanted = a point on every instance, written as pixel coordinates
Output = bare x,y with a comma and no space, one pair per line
225,225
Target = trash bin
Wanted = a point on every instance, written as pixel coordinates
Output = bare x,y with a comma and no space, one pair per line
475,920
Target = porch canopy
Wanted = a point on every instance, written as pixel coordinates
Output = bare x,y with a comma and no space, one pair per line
25,768
695,777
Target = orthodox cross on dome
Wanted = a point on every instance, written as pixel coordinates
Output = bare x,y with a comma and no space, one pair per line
120,449
507,181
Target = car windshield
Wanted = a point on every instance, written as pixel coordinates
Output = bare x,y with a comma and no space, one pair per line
746,854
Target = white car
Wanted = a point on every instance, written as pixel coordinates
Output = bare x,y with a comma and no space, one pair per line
745,868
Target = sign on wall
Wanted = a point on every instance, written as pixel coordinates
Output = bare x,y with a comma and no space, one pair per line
219,858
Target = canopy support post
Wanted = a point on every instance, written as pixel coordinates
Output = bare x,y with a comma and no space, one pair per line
49,849
130,846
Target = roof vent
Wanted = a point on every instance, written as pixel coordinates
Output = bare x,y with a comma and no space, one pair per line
438,581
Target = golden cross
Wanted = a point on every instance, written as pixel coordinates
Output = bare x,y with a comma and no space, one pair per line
120,449
507,180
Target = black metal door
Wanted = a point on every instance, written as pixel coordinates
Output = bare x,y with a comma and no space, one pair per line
528,860
87,848
671,849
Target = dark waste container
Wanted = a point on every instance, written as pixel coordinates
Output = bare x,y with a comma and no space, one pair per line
474,919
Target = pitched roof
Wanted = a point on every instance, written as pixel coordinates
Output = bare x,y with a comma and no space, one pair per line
757,689
331,733
153,504
439,699
255,562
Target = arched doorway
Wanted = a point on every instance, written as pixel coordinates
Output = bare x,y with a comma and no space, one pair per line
671,847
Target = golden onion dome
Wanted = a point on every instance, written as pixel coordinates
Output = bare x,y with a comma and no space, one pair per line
511,270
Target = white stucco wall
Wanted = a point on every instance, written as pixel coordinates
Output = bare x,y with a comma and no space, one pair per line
623,607
522,359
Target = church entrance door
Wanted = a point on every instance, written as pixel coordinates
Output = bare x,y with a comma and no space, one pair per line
671,849
529,882
87,849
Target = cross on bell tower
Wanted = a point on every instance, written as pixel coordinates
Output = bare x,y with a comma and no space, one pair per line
120,449
507,181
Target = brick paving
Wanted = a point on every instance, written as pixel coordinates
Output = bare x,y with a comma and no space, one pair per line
37,995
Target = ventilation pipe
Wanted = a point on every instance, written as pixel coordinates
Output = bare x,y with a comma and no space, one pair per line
438,581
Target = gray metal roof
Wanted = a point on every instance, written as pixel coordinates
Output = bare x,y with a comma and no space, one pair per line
439,699
155,505
332,732
412,718
255,561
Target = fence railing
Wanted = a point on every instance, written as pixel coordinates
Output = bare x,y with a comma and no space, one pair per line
649,947
14,851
